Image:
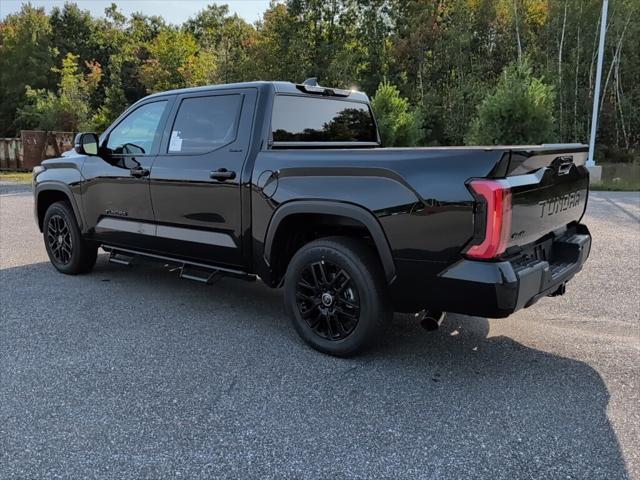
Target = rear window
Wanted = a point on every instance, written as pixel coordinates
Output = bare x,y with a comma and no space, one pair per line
308,119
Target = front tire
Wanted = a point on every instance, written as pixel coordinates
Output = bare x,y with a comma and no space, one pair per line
335,295
68,251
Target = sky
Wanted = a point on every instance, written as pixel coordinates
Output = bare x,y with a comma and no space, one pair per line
173,11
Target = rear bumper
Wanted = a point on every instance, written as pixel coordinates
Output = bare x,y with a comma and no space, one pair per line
497,289
492,289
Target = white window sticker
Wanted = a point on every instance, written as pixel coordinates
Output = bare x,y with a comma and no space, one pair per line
175,143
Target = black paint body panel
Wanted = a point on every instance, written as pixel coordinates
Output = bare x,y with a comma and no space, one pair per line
413,202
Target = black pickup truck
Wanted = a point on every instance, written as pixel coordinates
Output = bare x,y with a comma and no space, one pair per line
288,183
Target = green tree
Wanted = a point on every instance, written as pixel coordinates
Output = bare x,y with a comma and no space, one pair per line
124,85
72,32
443,57
115,102
233,52
229,37
68,110
372,42
315,38
175,61
280,52
144,28
206,26
398,122
26,57
519,111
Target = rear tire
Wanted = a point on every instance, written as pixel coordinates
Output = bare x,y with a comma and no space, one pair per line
68,251
335,294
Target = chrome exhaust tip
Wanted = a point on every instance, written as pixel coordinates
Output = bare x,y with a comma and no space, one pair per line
431,320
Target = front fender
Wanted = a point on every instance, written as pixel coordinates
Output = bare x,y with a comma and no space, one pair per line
59,187
62,175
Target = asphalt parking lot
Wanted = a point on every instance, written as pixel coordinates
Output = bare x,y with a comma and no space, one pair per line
133,373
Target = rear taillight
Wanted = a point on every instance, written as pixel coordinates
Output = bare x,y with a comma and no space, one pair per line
494,199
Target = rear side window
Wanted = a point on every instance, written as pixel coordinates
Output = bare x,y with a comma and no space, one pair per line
309,119
205,123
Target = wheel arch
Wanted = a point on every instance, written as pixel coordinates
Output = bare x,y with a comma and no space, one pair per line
48,193
354,216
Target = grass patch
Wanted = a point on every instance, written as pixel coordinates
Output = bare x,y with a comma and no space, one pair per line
619,177
609,187
18,177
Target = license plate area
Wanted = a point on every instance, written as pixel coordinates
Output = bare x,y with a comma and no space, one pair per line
555,257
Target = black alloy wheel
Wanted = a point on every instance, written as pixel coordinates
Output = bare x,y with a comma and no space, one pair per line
328,300
336,296
59,239
68,250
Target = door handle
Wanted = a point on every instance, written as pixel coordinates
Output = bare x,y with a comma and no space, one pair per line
222,174
139,172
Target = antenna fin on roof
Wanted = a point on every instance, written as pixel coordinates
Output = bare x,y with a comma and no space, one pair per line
311,82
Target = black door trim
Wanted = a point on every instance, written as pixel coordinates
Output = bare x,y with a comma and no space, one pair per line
162,231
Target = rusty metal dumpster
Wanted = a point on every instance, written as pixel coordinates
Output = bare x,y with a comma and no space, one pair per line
38,145
32,147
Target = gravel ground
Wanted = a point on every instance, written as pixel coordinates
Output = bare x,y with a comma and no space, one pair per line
132,373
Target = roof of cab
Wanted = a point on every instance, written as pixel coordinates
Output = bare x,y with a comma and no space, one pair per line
278,86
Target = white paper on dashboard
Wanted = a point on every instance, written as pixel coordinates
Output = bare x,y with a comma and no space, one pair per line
175,143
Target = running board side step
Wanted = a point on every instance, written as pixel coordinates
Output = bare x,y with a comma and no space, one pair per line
199,272
120,258
199,275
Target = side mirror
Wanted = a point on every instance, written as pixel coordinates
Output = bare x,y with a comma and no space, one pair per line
86,143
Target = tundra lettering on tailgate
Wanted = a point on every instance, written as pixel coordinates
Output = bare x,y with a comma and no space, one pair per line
559,203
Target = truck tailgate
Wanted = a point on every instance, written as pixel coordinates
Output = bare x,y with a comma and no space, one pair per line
549,189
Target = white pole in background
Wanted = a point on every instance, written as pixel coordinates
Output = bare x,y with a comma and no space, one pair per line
596,94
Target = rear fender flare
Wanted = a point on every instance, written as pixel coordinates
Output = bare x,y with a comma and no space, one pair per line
348,210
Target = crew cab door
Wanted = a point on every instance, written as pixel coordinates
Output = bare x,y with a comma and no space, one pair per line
116,198
195,180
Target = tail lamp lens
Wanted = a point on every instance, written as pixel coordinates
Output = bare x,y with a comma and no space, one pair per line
496,197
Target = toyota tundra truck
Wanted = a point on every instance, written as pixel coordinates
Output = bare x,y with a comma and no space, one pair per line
289,183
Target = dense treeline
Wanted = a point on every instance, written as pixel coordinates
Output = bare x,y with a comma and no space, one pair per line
446,72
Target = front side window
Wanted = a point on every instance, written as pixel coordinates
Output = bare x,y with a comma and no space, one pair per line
309,119
135,134
205,123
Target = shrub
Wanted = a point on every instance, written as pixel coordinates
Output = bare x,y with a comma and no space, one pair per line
398,122
519,111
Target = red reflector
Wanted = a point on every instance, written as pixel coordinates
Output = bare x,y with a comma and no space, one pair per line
497,197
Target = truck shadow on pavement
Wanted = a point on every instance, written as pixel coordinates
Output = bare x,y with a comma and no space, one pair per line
199,380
